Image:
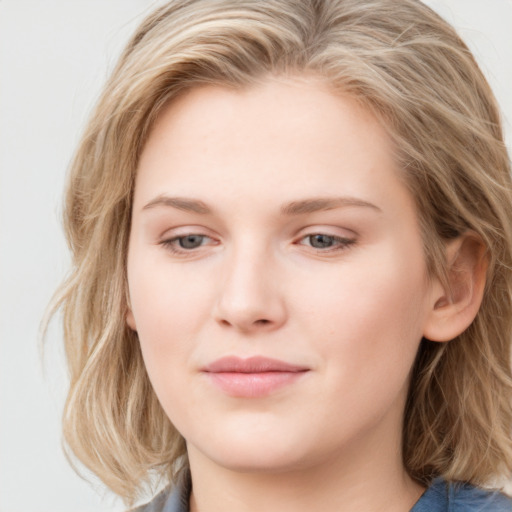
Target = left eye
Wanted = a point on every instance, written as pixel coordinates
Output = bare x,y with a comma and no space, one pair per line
323,241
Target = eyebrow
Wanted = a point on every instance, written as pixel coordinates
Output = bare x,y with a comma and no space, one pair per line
294,208
180,203
324,203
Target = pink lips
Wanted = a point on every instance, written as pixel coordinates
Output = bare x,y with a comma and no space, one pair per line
253,377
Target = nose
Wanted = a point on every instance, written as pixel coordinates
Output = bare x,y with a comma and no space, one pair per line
250,298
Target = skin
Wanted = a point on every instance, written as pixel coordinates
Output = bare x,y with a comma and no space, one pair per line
255,282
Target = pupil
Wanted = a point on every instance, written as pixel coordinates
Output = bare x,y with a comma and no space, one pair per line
321,241
190,241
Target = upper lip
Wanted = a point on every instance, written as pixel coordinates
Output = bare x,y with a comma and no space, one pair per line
256,364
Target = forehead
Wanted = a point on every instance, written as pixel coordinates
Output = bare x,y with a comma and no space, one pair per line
279,140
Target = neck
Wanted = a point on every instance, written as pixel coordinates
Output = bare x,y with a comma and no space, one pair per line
369,476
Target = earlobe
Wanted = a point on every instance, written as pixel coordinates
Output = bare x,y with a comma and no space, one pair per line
130,320
455,305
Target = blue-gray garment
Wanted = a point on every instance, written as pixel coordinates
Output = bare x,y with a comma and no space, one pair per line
459,497
439,497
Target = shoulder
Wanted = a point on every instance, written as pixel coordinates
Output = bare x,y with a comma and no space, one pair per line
167,501
465,497
157,504
461,497
171,499
174,498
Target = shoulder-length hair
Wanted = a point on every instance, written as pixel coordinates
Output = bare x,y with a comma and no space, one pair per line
406,65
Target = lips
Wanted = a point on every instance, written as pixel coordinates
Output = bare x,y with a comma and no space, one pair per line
253,377
251,365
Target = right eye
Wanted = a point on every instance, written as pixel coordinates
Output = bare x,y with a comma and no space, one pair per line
186,243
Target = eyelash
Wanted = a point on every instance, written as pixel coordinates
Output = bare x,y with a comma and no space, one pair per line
342,243
171,243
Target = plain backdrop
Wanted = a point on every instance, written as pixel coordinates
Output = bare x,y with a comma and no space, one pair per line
54,57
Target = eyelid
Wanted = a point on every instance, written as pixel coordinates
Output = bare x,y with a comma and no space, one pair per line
328,229
170,238
341,243
342,240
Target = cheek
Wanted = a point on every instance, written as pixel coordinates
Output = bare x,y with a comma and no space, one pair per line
367,294
165,327
368,318
168,308
166,301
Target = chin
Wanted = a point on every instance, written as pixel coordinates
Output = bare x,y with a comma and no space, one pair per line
259,463
268,453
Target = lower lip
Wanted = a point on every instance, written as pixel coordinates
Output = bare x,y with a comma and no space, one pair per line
253,385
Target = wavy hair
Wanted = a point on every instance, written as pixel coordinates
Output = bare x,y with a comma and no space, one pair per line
409,67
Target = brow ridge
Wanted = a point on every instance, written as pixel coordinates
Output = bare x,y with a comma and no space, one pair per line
180,203
299,207
324,203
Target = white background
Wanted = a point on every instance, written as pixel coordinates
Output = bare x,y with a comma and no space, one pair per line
54,57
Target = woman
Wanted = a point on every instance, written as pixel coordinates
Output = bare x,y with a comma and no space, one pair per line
292,241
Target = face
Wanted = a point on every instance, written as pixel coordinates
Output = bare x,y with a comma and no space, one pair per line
276,275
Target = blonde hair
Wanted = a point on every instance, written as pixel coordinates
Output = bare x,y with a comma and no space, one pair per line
409,67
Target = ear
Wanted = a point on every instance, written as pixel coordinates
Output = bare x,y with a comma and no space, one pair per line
130,319
454,306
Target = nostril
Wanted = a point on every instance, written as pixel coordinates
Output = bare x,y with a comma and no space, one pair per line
263,321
